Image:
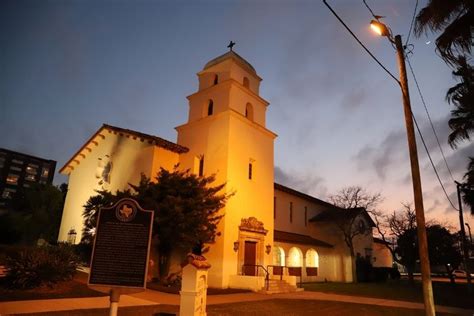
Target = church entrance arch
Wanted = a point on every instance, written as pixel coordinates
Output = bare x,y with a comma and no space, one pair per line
251,250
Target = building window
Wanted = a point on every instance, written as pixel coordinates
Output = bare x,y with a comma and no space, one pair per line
249,111
216,79
45,172
8,193
2,162
246,82
32,169
30,177
15,168
305,216
250,170
210,108
12,179
201,166
291,212
18,162
274,207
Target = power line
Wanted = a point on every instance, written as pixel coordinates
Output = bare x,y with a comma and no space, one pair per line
429,118
371,12
358,41
412,22
431,161
391,75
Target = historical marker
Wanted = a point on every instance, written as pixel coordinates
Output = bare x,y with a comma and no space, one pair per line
121,247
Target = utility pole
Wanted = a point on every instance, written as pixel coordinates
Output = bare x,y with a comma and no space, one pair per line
417,192
463,239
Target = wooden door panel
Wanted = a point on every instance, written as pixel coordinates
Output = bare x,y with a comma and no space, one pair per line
250,258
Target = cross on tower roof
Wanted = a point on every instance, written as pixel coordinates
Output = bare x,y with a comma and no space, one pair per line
231,44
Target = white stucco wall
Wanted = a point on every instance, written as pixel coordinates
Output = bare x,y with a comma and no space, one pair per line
130,157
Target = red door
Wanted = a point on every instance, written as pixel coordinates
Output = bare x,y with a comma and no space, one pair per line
250,256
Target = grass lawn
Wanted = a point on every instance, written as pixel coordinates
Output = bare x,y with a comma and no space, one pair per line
444,293
307,307
68,289
65,289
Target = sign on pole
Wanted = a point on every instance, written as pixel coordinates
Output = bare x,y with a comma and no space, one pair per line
121,248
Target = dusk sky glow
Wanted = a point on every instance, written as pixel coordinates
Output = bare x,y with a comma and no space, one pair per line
67,67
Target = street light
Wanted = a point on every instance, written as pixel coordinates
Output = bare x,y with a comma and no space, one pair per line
428,300
379,28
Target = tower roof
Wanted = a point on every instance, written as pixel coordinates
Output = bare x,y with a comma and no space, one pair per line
231,55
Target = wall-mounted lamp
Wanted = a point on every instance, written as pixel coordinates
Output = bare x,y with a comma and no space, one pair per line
71,236
236,246
268,249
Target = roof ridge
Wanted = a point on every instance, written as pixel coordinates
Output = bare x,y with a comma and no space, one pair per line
284,188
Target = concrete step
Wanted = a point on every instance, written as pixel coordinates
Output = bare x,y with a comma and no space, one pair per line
279,286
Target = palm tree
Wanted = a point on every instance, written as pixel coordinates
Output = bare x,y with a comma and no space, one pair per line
455,20
468,190
462,97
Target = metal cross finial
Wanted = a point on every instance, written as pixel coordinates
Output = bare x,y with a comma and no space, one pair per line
231,44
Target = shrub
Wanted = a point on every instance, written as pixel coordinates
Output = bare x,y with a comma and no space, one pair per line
35,267
84,252
395,274
381,274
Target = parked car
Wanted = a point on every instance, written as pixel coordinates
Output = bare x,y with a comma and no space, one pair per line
460,274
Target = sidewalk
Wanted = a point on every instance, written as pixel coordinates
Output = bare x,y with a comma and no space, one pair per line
151,298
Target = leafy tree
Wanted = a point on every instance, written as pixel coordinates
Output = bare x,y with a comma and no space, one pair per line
455,20
442,247
441,243
462,97
468,190
36,213
186,210
91,209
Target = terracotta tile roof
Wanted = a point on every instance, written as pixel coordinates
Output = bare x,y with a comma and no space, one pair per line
282,236
158,141
337,214
155,140
302,195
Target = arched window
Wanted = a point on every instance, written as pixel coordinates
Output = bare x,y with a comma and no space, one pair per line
246,82
312,258
210,108
216,79
249,111
278,256
295,257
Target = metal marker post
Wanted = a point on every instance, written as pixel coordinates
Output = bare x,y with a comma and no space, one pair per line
114,299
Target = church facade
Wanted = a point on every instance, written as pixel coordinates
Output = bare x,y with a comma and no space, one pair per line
266,225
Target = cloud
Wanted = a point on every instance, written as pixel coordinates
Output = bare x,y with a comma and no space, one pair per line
305,182
382,157
355,98
385,158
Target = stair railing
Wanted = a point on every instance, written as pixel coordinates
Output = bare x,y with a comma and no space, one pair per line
257,267
295,271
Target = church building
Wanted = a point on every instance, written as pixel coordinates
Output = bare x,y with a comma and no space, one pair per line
267,227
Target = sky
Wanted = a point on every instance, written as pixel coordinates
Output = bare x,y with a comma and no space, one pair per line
67,67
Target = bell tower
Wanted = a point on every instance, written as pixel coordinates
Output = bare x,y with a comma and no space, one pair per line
227,136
